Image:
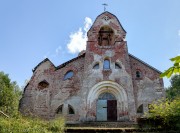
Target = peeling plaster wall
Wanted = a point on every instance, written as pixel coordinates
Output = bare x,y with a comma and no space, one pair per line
44,103
116,53
149,87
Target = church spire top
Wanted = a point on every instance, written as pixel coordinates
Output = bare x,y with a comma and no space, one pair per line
105,6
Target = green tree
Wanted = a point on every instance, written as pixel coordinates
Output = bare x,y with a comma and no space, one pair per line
9,95
174,90
168,111
175,69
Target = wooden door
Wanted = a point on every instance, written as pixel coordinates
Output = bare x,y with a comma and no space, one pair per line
111,110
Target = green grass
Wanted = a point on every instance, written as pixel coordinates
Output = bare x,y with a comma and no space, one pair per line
31,125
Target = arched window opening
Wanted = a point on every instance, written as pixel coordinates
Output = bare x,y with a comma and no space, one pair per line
140,109
106,36
70,110
106,96
60,109
43,84
138,74
117,66
106,64
68,75
96,66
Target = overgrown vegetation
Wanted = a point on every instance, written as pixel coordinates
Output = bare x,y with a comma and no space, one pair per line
30,125
10,119
167,111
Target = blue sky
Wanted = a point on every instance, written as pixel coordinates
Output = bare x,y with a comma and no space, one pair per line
31,30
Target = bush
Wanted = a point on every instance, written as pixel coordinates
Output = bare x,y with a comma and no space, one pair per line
168,111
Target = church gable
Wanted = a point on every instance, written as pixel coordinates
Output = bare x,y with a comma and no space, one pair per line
106,24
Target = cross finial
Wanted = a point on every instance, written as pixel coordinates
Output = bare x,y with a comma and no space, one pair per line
105,6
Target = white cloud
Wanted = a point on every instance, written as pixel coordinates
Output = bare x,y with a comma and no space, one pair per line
179,32
58,49
55,53
78,39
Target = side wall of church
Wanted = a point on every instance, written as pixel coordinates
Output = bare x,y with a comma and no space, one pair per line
148,87
45,102
68,92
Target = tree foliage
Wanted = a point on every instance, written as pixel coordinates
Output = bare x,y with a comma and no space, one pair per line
168,111
9,95
174,90
175,69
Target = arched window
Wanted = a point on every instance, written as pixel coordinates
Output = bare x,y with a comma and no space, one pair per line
106,96
140,109
138,74
60,109
70,110
43,84
68,75
96,66
106,36
117,66
106,64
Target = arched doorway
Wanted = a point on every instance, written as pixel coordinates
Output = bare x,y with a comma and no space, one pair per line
106,90
106,107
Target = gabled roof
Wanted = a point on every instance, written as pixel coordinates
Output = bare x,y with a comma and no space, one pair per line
112,15
60,66
64,64
144,63
42,63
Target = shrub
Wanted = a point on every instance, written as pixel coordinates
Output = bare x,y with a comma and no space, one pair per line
168,111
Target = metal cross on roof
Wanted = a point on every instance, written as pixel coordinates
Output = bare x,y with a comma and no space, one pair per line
105,6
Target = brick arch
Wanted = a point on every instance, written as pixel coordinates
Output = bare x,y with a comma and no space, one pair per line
110,87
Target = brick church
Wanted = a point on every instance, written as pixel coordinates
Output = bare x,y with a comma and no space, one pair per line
103,83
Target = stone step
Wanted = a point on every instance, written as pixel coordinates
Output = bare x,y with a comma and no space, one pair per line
111,130
103,124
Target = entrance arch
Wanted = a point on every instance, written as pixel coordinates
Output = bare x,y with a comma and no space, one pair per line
114,89
106,109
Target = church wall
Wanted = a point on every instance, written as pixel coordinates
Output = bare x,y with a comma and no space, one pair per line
67,92
35,101
148,87
44,102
